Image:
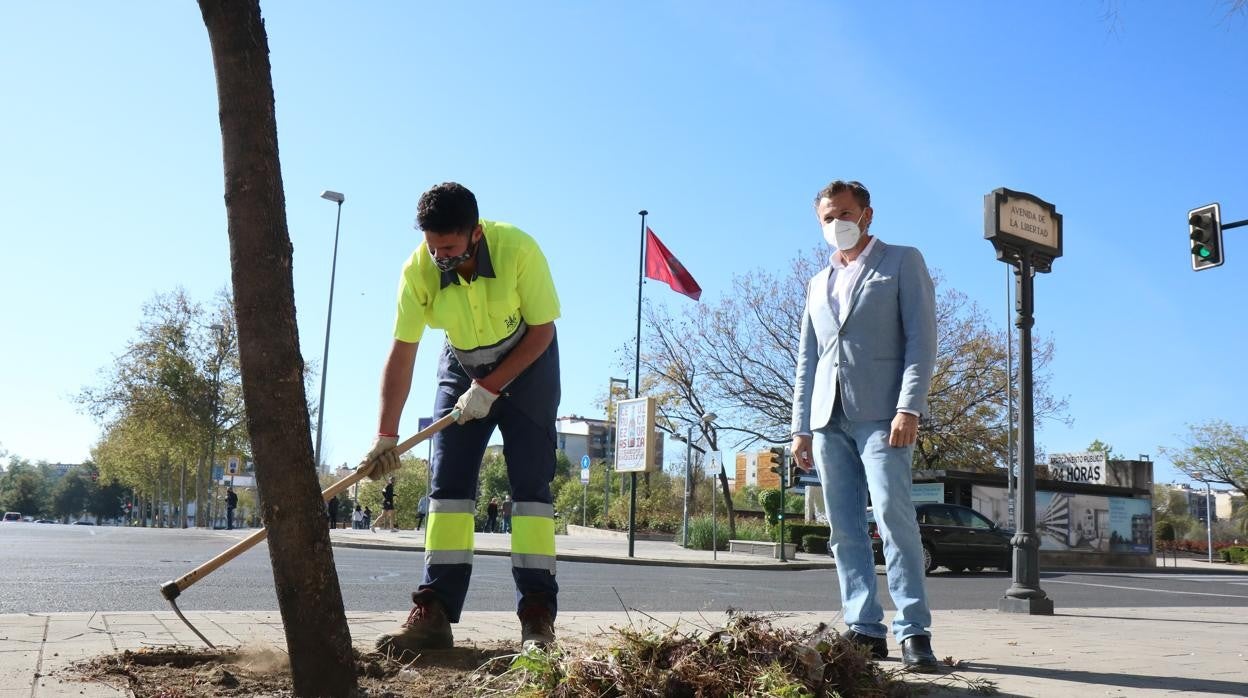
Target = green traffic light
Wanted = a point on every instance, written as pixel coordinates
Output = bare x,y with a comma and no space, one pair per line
1204,252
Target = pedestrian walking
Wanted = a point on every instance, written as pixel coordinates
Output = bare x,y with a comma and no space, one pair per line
506,508
231,503
357,517
368,517
864,367
332,508
421,510
491,516
488,287
387,507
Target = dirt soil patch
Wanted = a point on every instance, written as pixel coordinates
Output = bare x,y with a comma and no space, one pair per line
264,672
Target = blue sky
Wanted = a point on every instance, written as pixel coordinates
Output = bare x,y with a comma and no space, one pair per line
566,118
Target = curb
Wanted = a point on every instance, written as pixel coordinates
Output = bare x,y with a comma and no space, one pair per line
611,560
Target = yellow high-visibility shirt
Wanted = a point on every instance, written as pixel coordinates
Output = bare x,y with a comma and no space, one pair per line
484,317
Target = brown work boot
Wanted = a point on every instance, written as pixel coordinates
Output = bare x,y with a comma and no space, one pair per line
426,628
537,623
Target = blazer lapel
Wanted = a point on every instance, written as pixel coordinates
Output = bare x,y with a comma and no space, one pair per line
870,263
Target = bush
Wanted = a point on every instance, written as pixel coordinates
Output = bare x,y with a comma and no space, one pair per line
1235,553
700,532
797,532
1164,531
771,501
753,529
814,544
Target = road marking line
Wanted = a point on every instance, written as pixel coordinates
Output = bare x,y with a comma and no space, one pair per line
1159,591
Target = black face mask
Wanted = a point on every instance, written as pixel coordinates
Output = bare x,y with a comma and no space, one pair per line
450,263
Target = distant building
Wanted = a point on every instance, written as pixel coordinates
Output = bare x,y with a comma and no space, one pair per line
59,470
1223,503
580,436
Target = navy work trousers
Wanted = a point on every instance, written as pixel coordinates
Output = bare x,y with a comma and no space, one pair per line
525,414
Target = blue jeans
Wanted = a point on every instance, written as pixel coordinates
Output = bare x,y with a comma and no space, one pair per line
854,458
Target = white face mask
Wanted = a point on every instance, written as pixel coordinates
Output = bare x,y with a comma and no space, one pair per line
842,235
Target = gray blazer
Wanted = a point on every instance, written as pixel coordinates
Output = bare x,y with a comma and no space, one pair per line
883,355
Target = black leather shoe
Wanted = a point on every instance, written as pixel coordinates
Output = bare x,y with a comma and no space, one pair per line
877,645
916,655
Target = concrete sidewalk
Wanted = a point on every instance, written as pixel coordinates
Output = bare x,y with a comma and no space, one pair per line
1079,652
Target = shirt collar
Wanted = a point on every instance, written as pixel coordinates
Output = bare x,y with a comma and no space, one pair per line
837,264
485,267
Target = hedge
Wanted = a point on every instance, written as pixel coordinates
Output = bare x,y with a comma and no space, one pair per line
814,544
1236,553
795,532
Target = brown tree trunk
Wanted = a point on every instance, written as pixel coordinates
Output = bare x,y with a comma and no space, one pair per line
291,508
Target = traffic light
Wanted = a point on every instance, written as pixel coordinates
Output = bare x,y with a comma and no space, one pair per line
775,455
1205,228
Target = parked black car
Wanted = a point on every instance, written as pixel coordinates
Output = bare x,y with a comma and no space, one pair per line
956,537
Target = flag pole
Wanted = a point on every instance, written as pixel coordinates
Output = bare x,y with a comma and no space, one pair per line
641,276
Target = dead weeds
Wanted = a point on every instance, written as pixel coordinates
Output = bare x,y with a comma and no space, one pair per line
749,656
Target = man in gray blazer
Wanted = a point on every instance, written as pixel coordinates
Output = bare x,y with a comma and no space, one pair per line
864,366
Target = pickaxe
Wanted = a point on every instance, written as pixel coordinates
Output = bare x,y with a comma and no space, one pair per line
172,589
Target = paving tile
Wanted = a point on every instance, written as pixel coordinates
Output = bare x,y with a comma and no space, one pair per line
18,668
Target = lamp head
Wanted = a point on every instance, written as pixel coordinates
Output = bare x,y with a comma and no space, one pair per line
333,196
708,418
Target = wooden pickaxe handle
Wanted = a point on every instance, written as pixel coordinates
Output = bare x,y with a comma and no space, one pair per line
170,590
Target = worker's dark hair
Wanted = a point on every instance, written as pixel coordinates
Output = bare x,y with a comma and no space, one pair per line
861,195
447,208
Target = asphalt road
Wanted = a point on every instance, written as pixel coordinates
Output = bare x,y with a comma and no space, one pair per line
56,568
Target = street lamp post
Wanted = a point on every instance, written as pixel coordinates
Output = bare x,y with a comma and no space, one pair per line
708,420
212,433
329,316
684,531
1208,521
1009,411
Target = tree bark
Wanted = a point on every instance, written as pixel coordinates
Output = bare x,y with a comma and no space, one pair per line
291,508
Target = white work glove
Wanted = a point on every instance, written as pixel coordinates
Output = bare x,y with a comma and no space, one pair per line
383,458
475,403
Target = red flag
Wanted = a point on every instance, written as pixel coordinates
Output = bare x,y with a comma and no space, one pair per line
662,265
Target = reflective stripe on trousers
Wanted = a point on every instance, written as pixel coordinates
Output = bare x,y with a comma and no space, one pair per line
449,537
533,536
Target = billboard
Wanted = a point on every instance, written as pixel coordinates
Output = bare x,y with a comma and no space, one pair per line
1079,467
634,435
1079,522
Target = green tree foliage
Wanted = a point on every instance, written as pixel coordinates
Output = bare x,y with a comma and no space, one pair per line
1097,446
173,389
24,488
41,490
106,501
1170,508
1215,452
71,493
